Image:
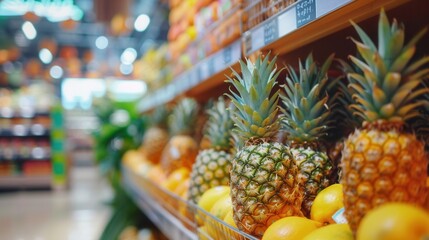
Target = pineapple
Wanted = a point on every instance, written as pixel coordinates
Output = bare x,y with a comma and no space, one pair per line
381,162
306,119
346,123
156,137
182,149
212,165
264,178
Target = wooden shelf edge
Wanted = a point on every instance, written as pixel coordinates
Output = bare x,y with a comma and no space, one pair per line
22,181
339,19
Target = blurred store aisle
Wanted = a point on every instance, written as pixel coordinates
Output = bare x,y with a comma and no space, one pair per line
77,214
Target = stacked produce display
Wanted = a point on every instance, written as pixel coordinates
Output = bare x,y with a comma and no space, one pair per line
200,28
349,166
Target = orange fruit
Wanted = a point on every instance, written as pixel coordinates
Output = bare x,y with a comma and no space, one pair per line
175,178
291,228
326,203
331,232
394,221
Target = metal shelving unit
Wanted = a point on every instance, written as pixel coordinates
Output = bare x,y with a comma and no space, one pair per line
176,218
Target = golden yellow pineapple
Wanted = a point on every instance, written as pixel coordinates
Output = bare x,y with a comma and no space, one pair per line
156,136
382,162
182,149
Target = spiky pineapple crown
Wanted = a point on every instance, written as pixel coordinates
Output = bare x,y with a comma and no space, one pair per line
346,122
385,93
159,116
306,116
219,126
183,118
256,111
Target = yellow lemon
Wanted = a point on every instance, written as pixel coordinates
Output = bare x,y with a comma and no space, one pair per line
210,197
326,203
222,207
291,228
394,221
230,234
229,219
175,178
331,232
182,187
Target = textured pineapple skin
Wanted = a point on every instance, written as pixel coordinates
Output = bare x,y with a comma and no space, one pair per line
211,169
154,141
181,151
334,153
264,187
379,167
315,171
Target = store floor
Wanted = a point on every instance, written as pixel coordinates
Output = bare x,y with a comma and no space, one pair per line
76,214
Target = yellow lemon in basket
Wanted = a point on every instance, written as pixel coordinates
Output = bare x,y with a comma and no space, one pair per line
293,228
182,187
210,197
204,233
156,174
394,221
231,234
229,219
175,178
331,232
222,207
326,203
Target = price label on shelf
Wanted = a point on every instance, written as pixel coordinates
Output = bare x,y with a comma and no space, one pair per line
193,77
287,22
218,62
257,39
227,56
204,70
271,32
305,12
324,7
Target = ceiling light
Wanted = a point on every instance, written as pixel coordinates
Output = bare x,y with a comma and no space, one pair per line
101,42
128,56
45,56
29,30
142,22
126,69
56,72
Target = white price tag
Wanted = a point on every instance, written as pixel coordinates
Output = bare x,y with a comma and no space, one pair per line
324,7
339,217
287,22
258,40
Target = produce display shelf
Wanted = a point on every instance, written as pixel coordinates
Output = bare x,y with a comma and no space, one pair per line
200,74
176,218
23,181
170,225
302,23
306,21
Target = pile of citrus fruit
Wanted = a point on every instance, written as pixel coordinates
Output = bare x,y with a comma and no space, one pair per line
388,222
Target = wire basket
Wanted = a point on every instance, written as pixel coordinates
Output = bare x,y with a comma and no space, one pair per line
195,219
